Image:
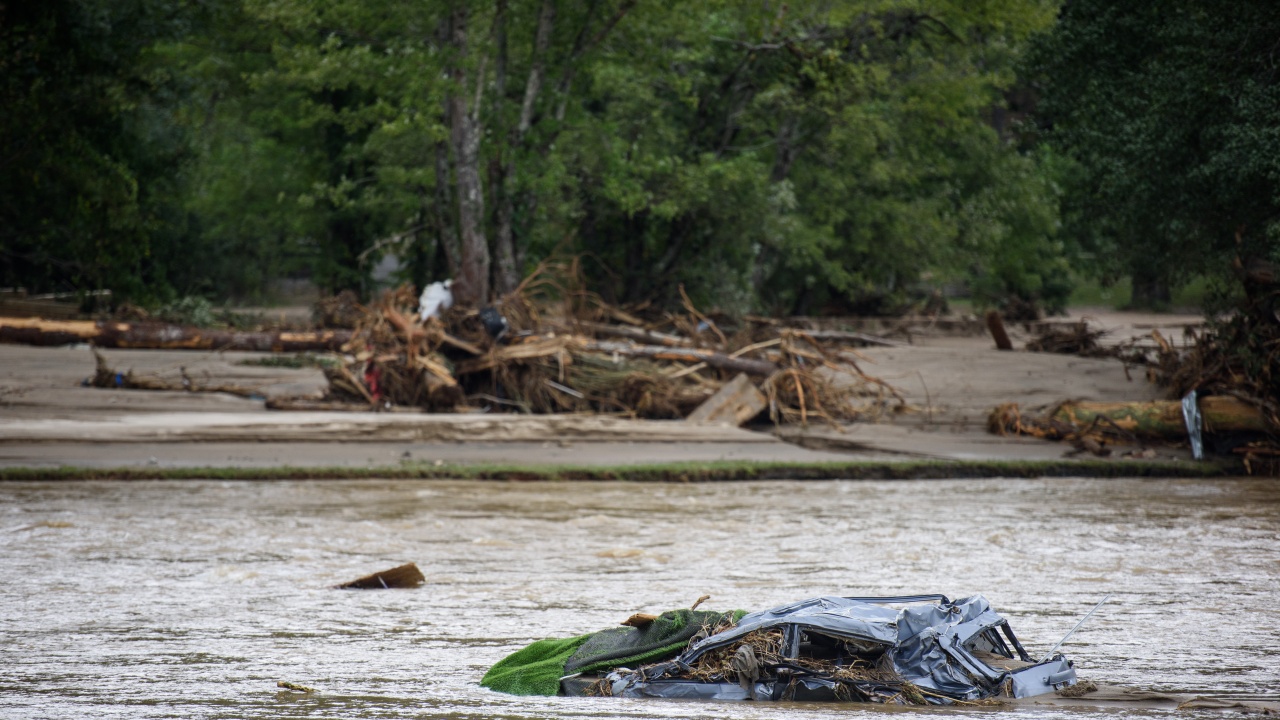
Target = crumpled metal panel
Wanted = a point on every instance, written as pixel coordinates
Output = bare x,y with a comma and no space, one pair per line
845,617
929,637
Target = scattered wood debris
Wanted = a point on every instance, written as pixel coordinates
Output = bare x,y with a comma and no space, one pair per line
1074,338
403,576
552,347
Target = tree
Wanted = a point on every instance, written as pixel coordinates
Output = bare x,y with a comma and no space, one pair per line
806,154
90,152
1171,111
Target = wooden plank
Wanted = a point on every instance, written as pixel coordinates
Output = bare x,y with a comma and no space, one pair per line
734,404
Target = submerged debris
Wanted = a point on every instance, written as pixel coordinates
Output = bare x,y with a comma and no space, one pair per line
906,650
402,576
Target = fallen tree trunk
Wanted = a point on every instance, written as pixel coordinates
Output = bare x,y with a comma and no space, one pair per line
161,336
1162,419
688,355
106,377
651,337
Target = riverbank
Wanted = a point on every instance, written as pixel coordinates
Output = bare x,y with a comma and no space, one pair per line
52,424
703,471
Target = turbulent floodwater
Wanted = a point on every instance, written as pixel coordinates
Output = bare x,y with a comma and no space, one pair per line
191,599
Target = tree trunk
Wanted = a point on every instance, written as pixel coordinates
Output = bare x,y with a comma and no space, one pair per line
162,336
472,284
506,255
1162,419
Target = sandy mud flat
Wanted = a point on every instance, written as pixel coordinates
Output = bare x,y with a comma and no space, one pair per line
950,384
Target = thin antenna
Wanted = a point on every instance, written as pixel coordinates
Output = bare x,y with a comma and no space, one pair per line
1073,630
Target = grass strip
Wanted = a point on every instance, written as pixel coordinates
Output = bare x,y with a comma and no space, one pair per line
662,472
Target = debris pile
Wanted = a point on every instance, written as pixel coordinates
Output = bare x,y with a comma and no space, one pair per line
759,657
552,347
1231,370
1069,339
1237,358
337,311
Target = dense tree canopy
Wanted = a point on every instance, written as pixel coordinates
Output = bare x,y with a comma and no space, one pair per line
88,142
1171,113
781,157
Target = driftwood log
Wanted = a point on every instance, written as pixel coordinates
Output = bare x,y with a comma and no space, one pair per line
547,347
650,337
690,355
401,576
161,336
1162,419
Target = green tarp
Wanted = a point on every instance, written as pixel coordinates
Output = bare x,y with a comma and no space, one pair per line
537,669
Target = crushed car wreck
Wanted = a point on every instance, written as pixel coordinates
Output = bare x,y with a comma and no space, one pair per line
920,649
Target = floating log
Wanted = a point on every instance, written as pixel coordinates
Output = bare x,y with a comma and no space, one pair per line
733,404
404,576
162,336
1162,419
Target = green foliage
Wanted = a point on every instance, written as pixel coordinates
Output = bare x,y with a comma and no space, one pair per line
809,155
789,158
1171,113
87,143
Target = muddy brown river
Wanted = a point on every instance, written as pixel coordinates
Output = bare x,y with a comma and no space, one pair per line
192,599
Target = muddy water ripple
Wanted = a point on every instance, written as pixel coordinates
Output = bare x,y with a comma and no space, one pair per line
191,599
